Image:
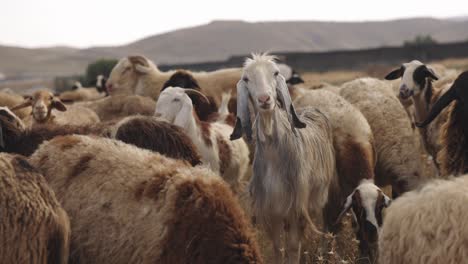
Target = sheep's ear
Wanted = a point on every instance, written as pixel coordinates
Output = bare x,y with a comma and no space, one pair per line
387,200
185,113
426,72
346,206
58,104
283,95
395,74
27,102
140,64
243,123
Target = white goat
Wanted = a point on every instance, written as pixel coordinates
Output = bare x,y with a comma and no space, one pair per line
228,159
292,168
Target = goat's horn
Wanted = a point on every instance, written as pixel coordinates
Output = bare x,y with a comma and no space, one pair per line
443,102
197,93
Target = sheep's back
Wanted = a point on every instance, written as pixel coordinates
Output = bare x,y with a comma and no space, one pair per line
129,205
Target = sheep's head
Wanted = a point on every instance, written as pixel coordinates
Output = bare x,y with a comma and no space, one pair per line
10,126
175,105
367,202
263,84
42,103
101,84
459,92
414,76
76,86
124,76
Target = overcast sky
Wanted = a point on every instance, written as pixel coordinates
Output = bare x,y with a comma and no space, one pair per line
84,23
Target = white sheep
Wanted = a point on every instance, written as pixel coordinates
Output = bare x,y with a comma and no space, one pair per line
427,226
398,151
138,75
44,105
228,159
294,160
129,205
355,161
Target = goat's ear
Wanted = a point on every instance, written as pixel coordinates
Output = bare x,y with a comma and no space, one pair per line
185,113
387,200
243,123
58,104
395,74
346,206
283,95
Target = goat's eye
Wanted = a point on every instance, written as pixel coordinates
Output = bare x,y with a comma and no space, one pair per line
245,79
276,73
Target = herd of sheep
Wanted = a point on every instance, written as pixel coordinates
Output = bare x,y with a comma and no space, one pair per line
150,166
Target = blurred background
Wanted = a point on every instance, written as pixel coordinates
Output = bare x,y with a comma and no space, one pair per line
52,43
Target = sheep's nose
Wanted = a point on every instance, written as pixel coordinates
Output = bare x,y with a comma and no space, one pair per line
108,86
405,92
264,98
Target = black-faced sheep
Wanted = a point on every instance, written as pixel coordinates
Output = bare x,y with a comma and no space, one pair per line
294,161
33,228
129,205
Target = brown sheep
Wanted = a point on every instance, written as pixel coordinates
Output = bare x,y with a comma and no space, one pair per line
129,205
11,100
44,102
453,156
144,132
34,227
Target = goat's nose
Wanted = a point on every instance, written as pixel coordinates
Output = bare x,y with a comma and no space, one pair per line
264,98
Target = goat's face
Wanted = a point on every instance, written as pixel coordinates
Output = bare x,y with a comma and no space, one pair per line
124,76
260,77
367,203
170,103
413,78
42,103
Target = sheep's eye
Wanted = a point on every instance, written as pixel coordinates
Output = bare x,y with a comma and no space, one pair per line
245,79
276,73
176,100
51,98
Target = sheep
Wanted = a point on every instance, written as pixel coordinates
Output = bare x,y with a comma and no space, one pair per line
185,79
34,228
101,84
427,225
129,205
43,102
120,106
80,93
144,132
453,156
11,100
416,84
291,76
294,160
355,161
228,159
398,152
138,75
157,135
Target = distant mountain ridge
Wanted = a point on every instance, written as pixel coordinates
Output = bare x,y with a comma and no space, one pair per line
220,39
